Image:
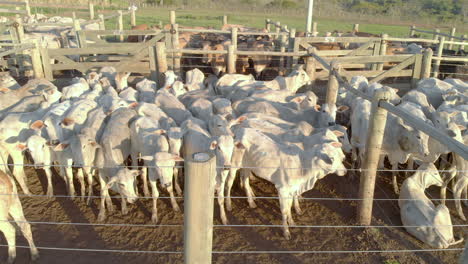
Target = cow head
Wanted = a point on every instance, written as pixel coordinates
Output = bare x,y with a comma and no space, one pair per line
123,182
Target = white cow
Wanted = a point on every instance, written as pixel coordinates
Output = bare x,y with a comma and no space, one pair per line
419,215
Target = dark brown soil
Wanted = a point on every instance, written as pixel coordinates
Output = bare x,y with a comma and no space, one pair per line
316,212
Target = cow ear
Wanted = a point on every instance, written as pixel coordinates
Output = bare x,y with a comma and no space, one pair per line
111,182
93,143
21,147
342,108
461,127
336,144
61,147
239,145
133,105
4,90
298,99
317,107
338,133
68,121
213,144
37,125
135,173
159,132
453,114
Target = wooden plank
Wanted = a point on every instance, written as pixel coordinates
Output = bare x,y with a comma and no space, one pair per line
373,59
122,32
337,39
12,3
323,75
135,67
93,50
416,70
361,50
3,10
141,52
412,40
460,59
46,66
395,69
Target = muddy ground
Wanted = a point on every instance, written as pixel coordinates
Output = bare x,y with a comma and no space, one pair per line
316,212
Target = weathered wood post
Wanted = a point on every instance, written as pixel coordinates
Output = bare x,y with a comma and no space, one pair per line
231,59
277,29
225,20
28,7
292,38
452,34
439,55
200,173
19,29
161,62
333,85
311,64
282,59
153,63
79,37
436,34
172,17
102,24
91,10
376,52
462,47
132,16
417,69
314,29
375,134
120,23
268,24
383,50
46,63
176,57
36,60
426,63
412,31
234,37
356,27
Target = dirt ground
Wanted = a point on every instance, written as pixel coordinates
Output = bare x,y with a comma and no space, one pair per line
316,212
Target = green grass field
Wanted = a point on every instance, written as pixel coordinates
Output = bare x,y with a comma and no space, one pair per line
213,18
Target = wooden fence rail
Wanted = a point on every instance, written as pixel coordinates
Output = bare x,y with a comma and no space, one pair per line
25,4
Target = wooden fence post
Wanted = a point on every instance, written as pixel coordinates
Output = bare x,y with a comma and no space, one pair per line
200,173
356,27
292,38
225,20
375,135
436,34
417,68
36,60
234,37
426,63
231,59
120,23
102,24
333,84
439,55
314,29
46,63
376,52
172,17
91,10
175,45
282,50
412,31
383,50
28,7
452,34
153,62
462,47
277,29
132,17
311,64
161,62
268,24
